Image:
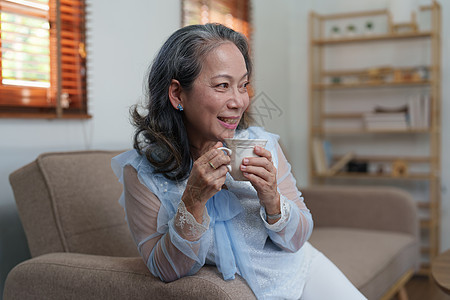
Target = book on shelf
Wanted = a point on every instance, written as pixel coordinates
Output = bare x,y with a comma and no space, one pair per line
319,156
395,109
385,121
340,163
419,111
322,156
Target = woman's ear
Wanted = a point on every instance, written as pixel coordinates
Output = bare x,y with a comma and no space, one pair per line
175,92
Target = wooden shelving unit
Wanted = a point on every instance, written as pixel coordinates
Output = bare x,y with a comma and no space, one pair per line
359,87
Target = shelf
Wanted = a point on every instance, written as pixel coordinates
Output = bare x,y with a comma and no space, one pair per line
381,70
424,205
426,224
346,131
346,175
409,159
425,250
394,71
425,269
326,86
343,116
373,38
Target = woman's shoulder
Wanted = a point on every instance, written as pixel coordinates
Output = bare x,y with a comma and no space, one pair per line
155,181
130,157
135,159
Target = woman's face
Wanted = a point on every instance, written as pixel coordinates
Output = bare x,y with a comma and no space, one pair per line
218,98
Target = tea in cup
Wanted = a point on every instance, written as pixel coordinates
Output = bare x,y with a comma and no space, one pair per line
238,149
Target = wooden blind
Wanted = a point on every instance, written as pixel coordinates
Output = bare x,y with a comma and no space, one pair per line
231,13
43,58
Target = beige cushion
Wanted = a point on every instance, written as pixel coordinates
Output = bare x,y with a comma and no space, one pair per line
371,260
78,195
81,276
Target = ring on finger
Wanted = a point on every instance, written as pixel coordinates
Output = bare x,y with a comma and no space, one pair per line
212,166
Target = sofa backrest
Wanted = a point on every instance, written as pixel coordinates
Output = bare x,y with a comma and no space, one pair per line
375,208
68,202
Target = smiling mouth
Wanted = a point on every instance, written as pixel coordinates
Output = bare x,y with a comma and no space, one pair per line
230,121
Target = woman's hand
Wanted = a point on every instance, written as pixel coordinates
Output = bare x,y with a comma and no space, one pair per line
206,179
263,176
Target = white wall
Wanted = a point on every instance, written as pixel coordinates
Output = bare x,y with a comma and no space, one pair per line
122,42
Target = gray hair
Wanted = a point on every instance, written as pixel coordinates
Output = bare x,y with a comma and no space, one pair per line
161,134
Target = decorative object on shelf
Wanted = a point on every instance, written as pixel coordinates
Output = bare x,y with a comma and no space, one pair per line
380,169
416,76
336,80
408,75
355,166
335,32
398,76
351,30
403,15
375,75
399,168
391,109
423,72
369,28
340,163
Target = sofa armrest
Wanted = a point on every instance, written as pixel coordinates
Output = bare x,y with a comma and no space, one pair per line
375,208
82,276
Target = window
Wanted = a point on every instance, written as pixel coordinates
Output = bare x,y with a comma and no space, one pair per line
231,13
43,59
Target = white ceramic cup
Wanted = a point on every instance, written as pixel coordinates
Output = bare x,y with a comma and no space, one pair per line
238,149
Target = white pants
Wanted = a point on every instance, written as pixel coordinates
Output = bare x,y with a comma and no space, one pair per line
327,282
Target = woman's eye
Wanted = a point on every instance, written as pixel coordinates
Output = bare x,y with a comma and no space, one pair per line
244,86
222,85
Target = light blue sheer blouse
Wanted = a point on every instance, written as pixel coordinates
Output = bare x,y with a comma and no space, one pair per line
273,259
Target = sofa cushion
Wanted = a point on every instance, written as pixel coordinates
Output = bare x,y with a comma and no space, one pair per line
372,260
90,217
72,204
81,276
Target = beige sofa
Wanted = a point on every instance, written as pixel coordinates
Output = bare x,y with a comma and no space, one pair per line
81,247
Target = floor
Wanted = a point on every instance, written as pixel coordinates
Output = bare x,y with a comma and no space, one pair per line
423,288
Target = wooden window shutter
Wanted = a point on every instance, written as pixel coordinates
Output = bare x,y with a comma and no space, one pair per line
234,14
57,90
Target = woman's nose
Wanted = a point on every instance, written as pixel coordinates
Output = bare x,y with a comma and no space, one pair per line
238,99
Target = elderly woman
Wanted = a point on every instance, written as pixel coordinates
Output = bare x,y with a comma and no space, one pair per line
183,208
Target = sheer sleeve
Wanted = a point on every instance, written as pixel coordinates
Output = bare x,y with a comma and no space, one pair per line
171,251
296,224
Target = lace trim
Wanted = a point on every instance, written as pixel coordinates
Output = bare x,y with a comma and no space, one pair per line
285,213
187,225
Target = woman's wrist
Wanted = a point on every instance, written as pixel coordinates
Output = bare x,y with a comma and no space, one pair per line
274,208
273,212
196,209
187,226
277,224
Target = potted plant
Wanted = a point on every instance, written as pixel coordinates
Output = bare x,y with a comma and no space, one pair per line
351,30
335,32
369,27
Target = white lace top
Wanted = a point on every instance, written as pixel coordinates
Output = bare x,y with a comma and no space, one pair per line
234,235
